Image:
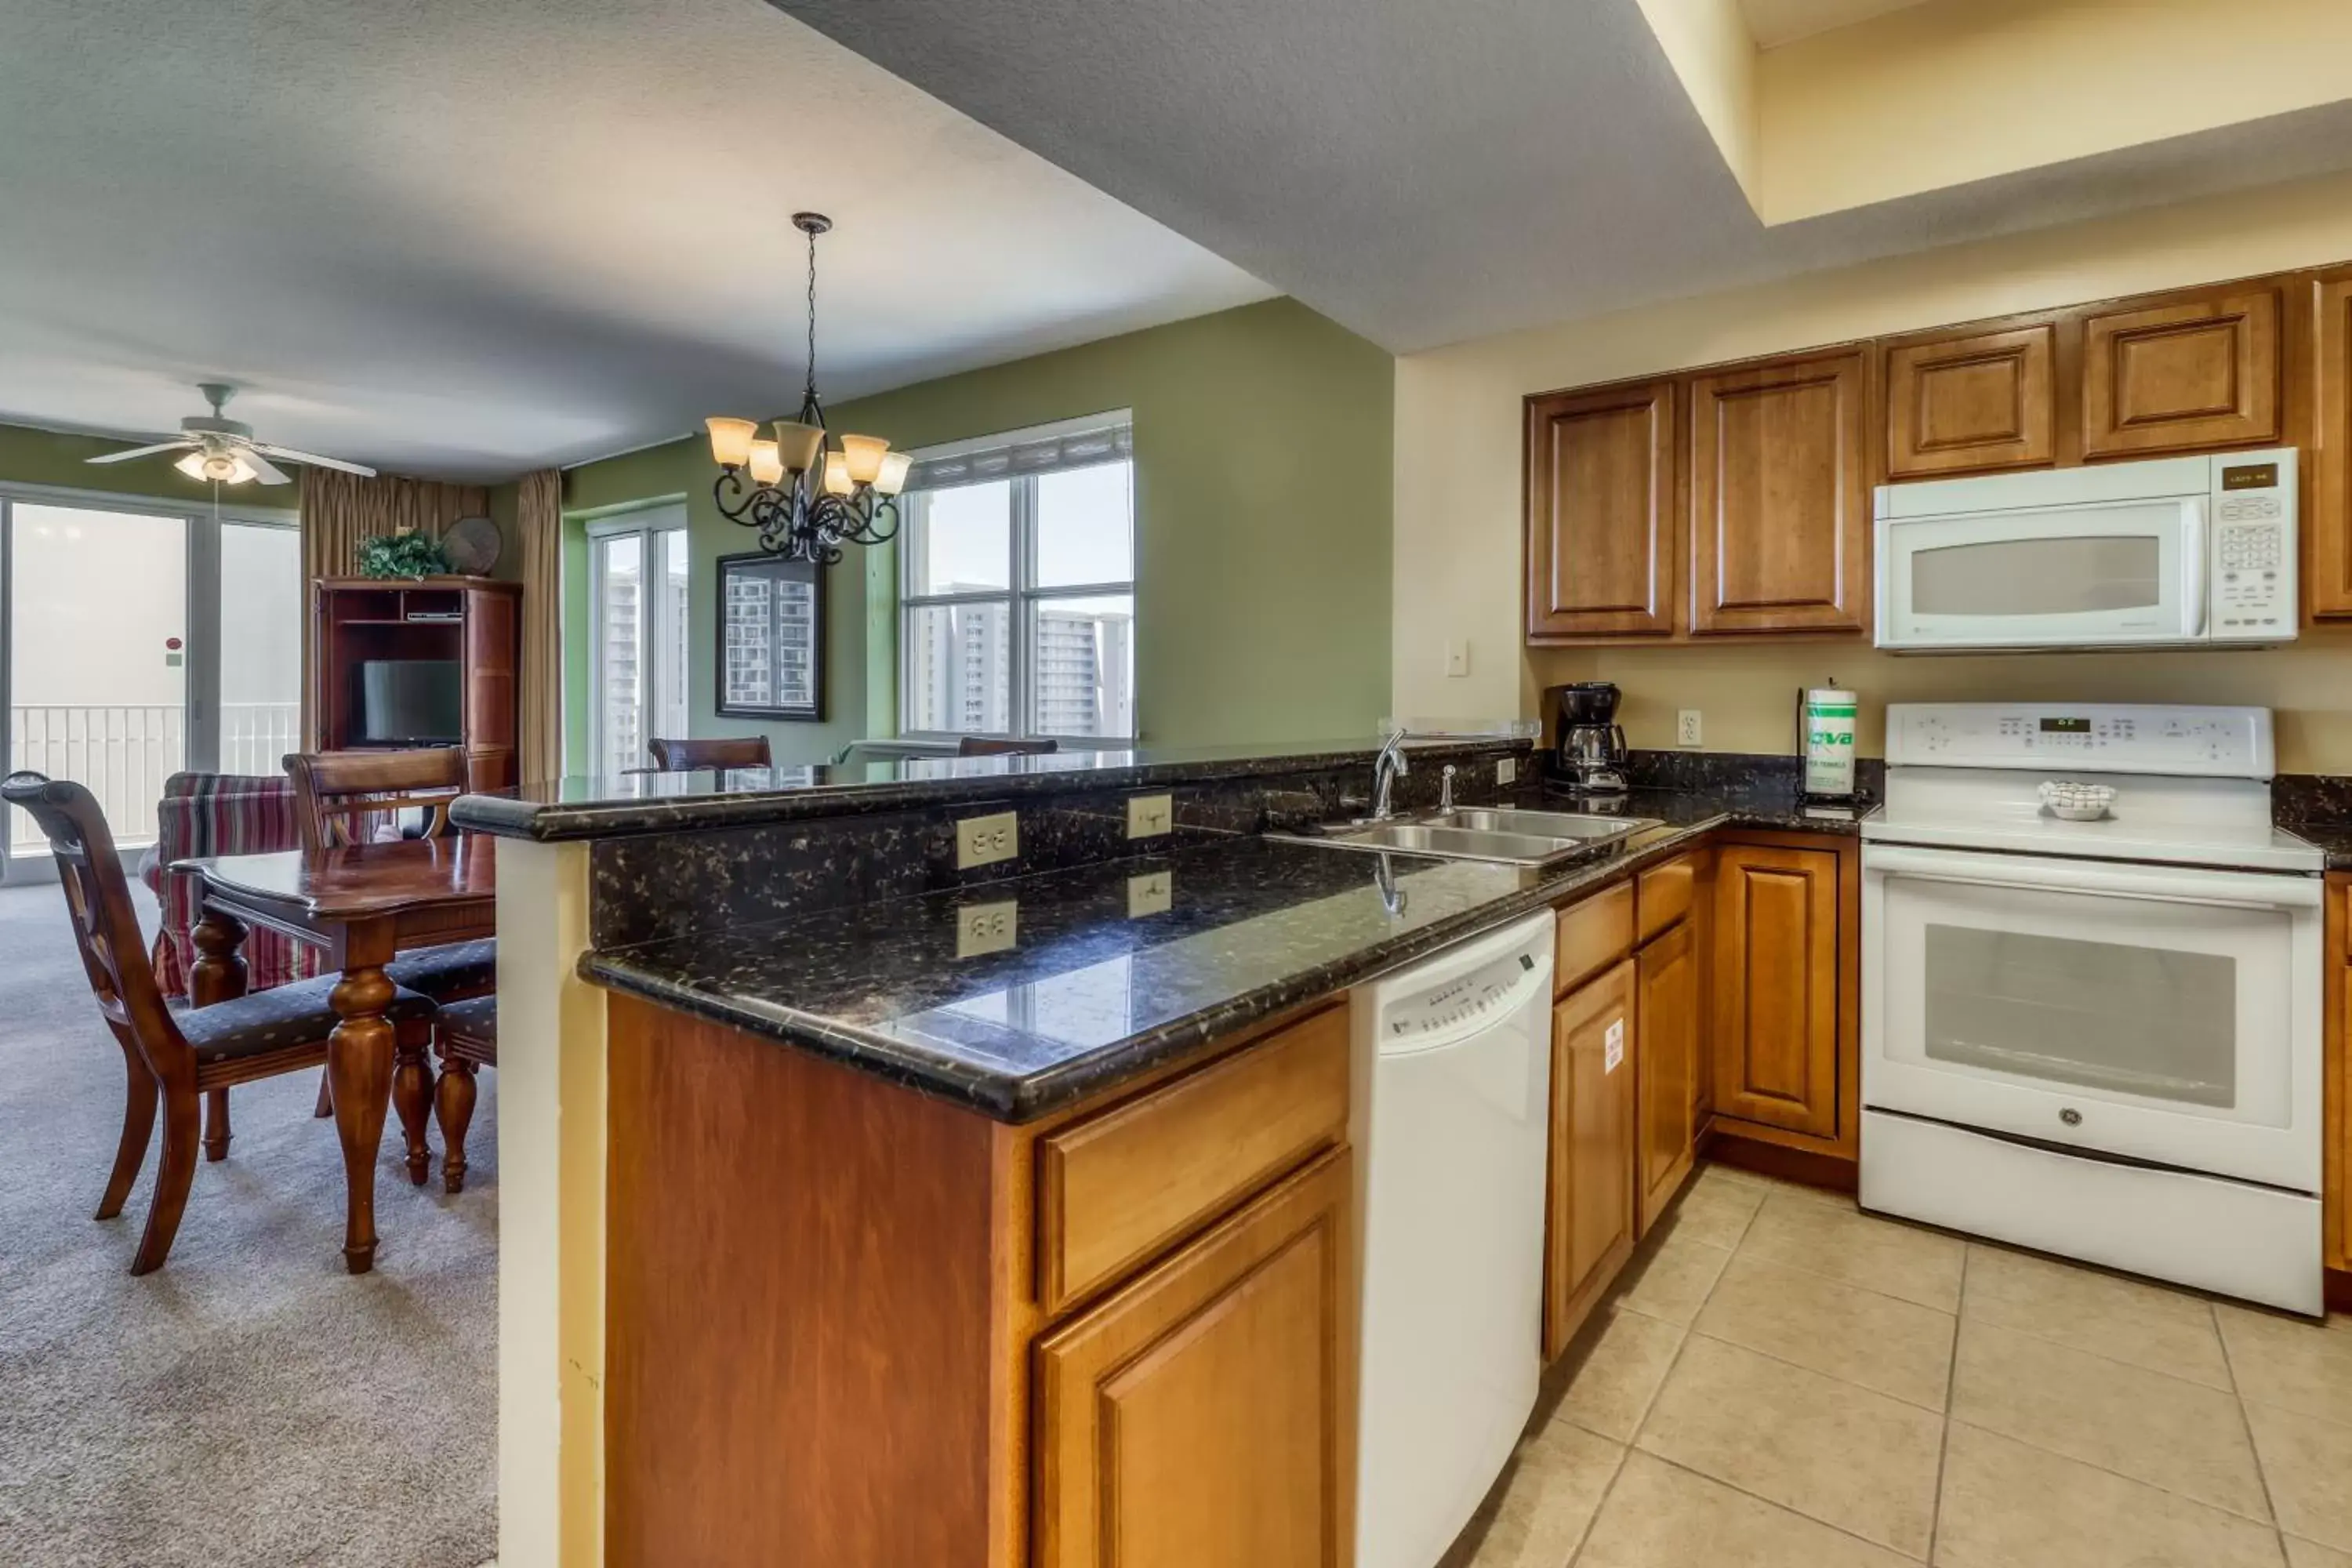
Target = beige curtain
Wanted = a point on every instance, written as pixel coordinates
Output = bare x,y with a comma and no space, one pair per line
539,527
339,510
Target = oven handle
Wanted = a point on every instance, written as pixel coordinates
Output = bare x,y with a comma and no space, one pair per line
2199,550
2162,884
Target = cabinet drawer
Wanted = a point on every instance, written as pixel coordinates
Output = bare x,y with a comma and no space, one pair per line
1593,934
1664,894
1116,1189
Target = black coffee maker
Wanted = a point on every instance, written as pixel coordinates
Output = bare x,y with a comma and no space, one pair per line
1589,754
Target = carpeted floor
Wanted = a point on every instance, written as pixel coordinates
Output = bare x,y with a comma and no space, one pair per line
250,1404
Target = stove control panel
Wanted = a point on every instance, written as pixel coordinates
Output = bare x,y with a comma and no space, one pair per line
2089,737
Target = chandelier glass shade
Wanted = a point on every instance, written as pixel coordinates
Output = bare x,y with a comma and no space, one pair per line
811,492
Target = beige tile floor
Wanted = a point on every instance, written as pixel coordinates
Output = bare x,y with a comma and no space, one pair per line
1784,1382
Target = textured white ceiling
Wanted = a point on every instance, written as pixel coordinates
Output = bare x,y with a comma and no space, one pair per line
468,236
1426,174
1773,23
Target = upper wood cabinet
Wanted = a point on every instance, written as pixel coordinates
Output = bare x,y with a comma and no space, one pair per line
1600,513
1667,993
1590,1210
1205,1413
1776,987
2194,372
1779,497
1973,403
2327,464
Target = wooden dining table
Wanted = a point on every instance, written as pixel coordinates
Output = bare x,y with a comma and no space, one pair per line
361,903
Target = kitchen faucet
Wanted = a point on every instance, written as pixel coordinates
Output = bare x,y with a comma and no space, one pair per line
1390,763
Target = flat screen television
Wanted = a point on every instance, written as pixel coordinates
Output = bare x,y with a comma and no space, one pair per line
407,702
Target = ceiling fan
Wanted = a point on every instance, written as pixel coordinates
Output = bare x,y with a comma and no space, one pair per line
223,451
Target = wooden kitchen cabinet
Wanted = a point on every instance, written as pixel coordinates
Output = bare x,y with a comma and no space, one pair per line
1204,1413
1591,1212
2335,1194
1601,503
1780,514
2328,460
1971,403
1778,989
1668,997
2185,373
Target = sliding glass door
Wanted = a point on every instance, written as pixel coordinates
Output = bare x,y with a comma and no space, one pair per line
138,640
637,596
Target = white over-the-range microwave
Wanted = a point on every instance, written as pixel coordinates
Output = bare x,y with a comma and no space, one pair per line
2169,552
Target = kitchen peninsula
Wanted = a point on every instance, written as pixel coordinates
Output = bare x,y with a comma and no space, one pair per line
841,1185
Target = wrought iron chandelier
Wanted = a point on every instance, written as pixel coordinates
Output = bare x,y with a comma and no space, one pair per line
811,491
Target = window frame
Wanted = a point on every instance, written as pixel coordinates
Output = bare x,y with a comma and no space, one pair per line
1022,597
650,525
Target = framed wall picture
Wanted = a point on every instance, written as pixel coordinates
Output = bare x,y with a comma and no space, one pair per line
770,637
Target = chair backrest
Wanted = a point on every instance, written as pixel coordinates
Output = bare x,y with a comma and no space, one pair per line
340,795
97,898
710,752
981,746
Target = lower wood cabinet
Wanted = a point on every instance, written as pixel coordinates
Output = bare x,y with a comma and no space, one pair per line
1776,988
1203,1413
2336,1198
1591,1213
1668,993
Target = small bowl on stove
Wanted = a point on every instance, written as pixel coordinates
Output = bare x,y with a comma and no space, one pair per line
2072,801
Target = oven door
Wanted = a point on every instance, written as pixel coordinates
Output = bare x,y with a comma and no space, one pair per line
2107,574
2151,1013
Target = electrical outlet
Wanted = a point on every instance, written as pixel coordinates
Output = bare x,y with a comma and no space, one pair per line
986,928
985,840
1150,893
1150,816
1457,657
1506,770
1687,727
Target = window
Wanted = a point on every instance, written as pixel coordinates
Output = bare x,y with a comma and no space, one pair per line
1017,585
638,585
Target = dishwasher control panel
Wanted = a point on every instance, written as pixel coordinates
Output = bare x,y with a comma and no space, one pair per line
1486,992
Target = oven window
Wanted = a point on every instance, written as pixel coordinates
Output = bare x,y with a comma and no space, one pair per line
2145,1021
2039,576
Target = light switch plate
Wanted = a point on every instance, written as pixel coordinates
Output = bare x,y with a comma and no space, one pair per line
987,928
1506,770
1150,816
1687,727
1613,1047
1150,893
985,840
1457,657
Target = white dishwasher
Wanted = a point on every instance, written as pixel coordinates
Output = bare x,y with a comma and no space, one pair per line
1457,1051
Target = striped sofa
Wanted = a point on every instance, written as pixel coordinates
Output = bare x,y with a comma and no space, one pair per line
221,813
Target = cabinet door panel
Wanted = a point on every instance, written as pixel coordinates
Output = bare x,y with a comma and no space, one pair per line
1601,508
1967,405
2181,377
1666,1015
1590,1212
1203,1416
2327,510
1776,940
1779,515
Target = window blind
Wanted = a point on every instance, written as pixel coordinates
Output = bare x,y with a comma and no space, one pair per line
1070,450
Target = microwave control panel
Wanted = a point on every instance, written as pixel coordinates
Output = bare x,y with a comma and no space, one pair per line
2254,596
2114,738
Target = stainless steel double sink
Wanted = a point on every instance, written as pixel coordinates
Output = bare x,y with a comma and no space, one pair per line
1505,835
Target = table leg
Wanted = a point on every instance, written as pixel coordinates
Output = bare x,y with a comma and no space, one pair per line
359,1065
217,976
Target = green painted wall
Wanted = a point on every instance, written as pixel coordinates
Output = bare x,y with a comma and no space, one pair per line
30,457
1263,500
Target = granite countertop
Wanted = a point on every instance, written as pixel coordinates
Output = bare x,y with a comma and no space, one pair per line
648,802
1095,989
2332,839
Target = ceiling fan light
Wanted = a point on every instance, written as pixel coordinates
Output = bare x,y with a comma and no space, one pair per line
893,476
731,440
767,466
192,464
864,455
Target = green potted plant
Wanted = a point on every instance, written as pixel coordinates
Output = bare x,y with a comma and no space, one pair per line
407,553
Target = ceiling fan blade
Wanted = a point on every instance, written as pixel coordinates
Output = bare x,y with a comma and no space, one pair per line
263,468
125,455
292,456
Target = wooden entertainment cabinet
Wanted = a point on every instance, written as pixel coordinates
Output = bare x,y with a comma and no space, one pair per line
474,621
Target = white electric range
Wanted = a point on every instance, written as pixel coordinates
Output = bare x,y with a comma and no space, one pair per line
2100,1040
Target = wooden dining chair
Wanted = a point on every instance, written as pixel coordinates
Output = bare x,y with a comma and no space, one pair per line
710,752
335,796
182,1058
983,746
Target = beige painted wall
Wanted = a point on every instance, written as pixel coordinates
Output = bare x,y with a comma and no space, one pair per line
1457,549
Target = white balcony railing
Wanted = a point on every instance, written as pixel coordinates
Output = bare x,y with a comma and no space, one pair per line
123,753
